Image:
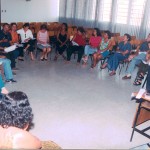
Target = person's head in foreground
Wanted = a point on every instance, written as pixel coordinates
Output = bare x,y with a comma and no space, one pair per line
15,118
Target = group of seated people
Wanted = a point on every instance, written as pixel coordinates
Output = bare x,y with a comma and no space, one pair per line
101,47
98,47
15,111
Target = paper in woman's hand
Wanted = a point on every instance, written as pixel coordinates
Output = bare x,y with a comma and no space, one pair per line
10,48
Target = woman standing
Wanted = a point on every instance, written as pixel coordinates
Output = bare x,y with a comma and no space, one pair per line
43,42
62,39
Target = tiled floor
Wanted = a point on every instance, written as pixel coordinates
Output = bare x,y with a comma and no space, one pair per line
79,108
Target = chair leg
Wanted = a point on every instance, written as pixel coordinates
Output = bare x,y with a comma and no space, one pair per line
120,69
136,118
144,82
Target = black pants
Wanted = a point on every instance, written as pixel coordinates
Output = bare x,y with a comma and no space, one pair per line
60,48
148,81
20,51
31,43
72,49
143,68
11,56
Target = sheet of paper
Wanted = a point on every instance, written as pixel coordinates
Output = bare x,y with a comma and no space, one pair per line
10,48
140,93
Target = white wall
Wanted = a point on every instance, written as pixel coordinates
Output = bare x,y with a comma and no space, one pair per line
31,11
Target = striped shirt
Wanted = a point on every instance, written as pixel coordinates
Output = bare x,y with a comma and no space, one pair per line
42,36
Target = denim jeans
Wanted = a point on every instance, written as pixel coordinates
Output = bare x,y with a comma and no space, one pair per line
7,68
136,60
113,61
89,50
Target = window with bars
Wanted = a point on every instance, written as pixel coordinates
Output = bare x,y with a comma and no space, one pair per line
137,12
105,10
122,11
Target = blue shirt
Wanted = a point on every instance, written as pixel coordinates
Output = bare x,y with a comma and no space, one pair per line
7,36
144,47
123,47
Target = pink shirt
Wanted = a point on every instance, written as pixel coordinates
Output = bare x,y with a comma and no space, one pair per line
95,41
43,36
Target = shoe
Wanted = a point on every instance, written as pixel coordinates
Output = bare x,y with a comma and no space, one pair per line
21,59
14,73
10,81
103,67
15,68
42,59
137,82
45,59
126,77
112,73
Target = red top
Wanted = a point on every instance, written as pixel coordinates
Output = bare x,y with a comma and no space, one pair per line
95,41
79,40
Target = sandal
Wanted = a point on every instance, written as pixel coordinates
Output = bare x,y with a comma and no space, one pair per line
137,82
140,76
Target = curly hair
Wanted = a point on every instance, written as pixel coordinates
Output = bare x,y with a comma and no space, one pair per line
15,110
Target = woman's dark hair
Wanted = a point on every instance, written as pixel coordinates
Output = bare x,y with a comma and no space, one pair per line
66,26
43,26
128,36
97,31
5,24
15,110
13,24
81,29
26,25
108,33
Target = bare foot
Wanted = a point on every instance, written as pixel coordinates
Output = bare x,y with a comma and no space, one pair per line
4,91
67,62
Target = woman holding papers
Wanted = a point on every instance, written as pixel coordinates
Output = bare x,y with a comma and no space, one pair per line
15,40
43,42
78,43
27,39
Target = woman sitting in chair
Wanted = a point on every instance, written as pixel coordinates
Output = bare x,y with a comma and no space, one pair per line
94,42
27,39
62,39
78,43
43,42
143,69
103,52
16,118
121,54
15,40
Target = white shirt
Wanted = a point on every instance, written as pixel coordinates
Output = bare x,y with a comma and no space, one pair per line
25,35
